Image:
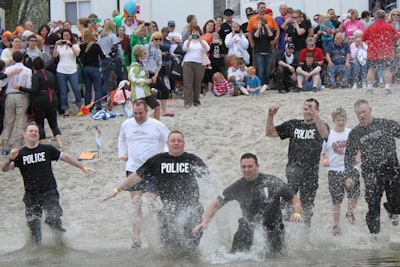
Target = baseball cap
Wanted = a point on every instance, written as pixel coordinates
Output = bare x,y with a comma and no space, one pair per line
290,45
171,23
228,12
250,11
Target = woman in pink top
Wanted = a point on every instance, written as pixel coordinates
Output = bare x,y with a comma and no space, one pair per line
352,24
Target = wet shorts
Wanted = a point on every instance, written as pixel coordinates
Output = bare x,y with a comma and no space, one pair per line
147,185
337,187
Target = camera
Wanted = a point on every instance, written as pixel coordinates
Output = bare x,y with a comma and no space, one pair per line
237,31
146,24
114,51
263,24
63,41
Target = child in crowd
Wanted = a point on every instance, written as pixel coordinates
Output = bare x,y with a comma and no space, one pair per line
217,53
326,30
232,65
358,51
253,84
240,74
221,85
332,157
308,77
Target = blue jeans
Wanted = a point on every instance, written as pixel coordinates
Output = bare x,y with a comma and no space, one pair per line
263,63
339,68
91,76
63,80
357,70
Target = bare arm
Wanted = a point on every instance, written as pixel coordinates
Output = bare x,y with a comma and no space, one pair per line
296,205
208,215
74,162
270,127
9,163
127,182
320,124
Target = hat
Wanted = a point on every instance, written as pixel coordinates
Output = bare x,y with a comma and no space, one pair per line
189,18
250,11
19,29
171,23
268,10
228,12
289,45
7,34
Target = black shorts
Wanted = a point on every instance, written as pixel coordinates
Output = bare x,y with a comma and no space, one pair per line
147,185
384,63
151,101
337,187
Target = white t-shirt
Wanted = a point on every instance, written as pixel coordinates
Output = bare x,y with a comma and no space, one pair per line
176,36
335,148
67,63
141,141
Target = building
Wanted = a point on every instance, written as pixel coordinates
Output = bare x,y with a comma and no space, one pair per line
163,10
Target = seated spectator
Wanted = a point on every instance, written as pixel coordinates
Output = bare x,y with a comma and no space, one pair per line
232,65
359,63
316,51
237,43
308,77
239,77
286,71
220,85
253,84
338,58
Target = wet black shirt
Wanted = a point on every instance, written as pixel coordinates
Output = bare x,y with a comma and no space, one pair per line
176,177
35,167
259,199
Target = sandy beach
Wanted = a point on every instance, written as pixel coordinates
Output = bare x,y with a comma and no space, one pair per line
219,131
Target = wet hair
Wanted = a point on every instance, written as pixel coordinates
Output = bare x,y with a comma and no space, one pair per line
360,102
313,100
175,132
140,102
249,156
30,124
38,63
339,113
18,56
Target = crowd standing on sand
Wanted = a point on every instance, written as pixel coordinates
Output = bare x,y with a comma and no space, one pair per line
288,53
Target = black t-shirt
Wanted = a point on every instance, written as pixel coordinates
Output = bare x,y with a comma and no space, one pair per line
298,40
35,167
259,199
305,142
377,144
309,68
176,177
91,57
262,43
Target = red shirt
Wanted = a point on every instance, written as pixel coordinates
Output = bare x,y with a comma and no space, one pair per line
380,38
317,52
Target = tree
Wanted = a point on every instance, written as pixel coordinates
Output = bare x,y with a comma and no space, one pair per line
19,11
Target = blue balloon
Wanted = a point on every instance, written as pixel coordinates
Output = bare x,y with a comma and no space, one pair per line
130,8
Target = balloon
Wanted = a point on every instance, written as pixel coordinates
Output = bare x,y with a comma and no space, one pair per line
130,8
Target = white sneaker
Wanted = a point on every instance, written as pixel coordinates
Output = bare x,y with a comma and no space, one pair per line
136,242
354,86
364,86
394,218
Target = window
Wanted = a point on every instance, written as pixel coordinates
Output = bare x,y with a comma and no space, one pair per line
77,9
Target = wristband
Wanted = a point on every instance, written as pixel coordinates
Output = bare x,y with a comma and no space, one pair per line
296,215
85,168
116,191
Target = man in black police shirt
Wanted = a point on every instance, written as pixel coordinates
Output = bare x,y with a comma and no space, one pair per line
375,139
226,27
175,172
259,198
306,138
34,162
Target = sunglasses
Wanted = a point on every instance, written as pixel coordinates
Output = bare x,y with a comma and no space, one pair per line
157,39
33,41
295,17
310,44
397,15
